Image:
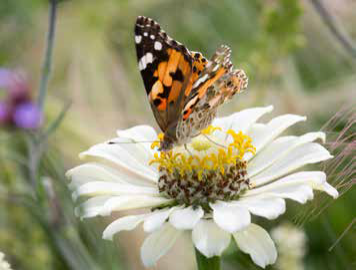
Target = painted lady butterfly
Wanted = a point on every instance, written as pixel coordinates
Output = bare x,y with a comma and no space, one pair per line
183,87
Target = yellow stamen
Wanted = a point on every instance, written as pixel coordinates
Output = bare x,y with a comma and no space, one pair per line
219,160
157,143
210,130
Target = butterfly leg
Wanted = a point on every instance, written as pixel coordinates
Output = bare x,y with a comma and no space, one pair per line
218,144
186,148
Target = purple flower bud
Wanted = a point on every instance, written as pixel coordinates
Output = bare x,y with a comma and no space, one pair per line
27,116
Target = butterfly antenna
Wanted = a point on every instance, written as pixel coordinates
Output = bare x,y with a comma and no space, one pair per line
186,148
131,142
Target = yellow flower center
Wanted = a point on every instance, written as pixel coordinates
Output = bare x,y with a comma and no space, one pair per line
209,168
200,145
200,159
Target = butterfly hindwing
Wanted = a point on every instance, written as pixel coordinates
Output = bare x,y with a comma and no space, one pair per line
219,65
216,84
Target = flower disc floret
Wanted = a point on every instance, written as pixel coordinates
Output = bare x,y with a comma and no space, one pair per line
205,170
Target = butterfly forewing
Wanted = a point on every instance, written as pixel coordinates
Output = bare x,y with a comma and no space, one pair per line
166,69
219,65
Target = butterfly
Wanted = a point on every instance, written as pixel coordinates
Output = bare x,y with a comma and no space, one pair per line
184,89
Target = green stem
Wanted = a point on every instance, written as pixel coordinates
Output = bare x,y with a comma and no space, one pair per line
47,63
35,146
205,263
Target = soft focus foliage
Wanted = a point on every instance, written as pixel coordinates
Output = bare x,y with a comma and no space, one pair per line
292,61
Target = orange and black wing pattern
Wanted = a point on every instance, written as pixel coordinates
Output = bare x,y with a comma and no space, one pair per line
182,85
167,69
218,66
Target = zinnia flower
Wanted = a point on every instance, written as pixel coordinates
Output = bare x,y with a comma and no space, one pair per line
236,168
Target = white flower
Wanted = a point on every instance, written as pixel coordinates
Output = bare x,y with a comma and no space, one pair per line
4,265
228,173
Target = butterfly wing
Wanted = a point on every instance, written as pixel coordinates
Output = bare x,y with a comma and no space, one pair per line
226,87
217,67
183,88
216,84
166,68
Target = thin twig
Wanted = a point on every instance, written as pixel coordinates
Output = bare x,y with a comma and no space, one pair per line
56,122
343,234
330,22
47,63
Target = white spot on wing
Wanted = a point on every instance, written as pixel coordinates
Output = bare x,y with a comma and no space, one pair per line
140,65
145,60
145,34
138,39
152,37
200,80
149,58
216,68
158,46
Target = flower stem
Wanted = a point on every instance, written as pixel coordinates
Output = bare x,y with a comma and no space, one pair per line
47,63
205,263
35,146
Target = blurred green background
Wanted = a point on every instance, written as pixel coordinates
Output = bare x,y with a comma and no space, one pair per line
293,62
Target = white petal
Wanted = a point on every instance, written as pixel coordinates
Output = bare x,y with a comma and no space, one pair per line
230,217
187,218
144,136
157,219
241,121
125,161
137,145
256,242
209,239
120,203
263,134
265,206
158,243
329,189
277,149
299,156
127,223
94,171
138,151
108,188
298,186
91,207
138,133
